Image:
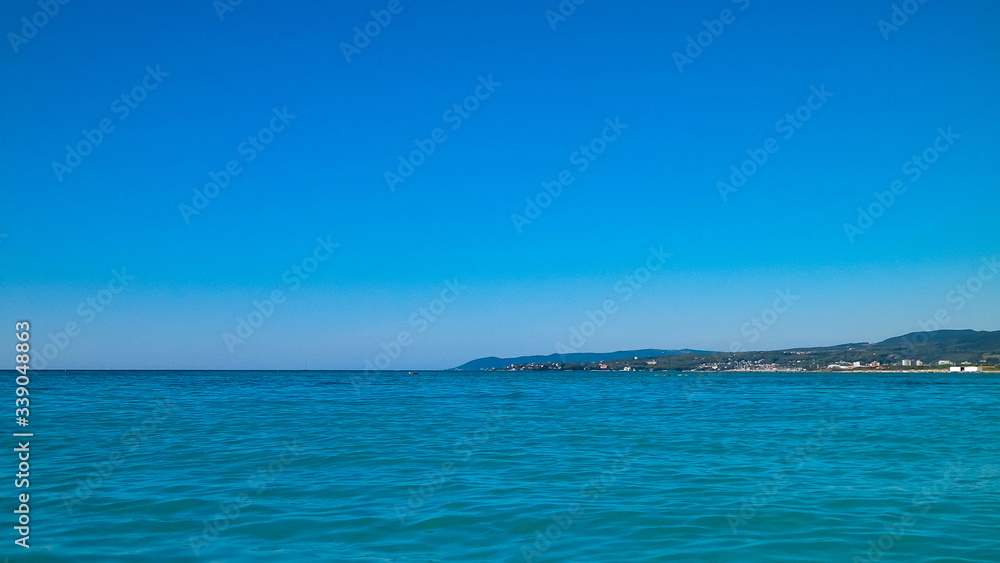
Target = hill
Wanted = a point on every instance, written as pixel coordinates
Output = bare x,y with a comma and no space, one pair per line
956,346
582,357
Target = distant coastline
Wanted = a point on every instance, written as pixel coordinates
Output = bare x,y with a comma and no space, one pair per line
942,351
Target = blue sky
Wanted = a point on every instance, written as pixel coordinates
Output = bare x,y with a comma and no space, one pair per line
219,81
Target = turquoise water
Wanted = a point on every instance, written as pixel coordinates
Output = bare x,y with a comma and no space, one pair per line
252,466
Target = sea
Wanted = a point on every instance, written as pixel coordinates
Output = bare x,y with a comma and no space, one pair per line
506,466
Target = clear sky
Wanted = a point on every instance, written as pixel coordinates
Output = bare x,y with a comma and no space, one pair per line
313,116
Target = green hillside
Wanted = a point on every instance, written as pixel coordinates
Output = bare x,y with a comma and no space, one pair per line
978,348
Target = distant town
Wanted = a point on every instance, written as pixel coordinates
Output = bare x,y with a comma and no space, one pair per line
756,366
956,351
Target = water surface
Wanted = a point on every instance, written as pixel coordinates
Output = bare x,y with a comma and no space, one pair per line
337,466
